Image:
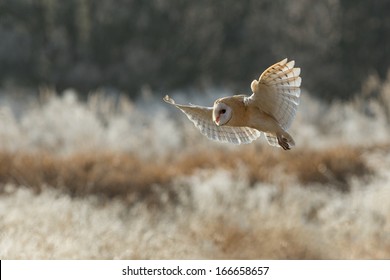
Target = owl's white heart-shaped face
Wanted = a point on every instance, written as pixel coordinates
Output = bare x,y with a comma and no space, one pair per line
222,113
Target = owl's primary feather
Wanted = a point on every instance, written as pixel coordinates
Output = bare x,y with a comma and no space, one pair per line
240,119
202,118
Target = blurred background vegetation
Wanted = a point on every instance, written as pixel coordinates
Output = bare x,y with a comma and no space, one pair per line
134,179
172,44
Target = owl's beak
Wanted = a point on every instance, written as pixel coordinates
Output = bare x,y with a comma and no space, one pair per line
216,117
217,120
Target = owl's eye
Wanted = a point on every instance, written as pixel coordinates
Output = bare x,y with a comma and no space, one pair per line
223,111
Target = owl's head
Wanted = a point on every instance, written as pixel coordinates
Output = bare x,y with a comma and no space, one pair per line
222,113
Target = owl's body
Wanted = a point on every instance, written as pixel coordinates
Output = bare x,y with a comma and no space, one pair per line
239,119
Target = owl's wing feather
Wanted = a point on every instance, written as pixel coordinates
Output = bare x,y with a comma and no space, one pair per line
278,92
203,120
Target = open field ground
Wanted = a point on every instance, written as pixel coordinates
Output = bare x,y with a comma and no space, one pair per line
107,178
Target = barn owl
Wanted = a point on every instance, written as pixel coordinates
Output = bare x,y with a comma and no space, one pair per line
240,119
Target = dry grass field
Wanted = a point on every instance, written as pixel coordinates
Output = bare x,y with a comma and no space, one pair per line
107,178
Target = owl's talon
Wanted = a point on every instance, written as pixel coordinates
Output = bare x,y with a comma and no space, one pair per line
283,142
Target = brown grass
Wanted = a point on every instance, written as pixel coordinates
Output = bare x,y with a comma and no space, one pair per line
282,242
332,166
105,174
285,223
135,179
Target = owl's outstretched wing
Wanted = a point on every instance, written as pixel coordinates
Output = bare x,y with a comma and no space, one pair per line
202,118
277,91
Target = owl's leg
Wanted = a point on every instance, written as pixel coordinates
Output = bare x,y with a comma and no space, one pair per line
285,140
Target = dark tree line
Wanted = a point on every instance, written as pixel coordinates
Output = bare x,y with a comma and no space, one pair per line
171,44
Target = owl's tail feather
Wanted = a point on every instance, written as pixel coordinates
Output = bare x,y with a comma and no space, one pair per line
285,140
